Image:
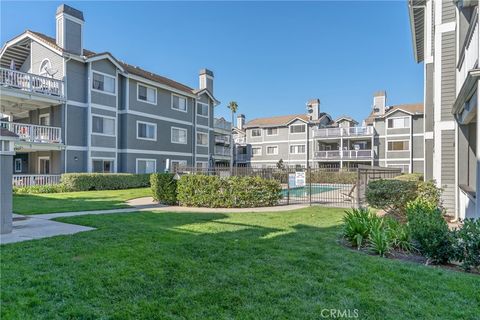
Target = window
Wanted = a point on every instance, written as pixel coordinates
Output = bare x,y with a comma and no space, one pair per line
399,123
256,151
146,94
202,109
298,128
102,125
179,135
272,149
102,166
256,132
176,164
202,164
179,103
18,165
272,131
398,145
44,119
146,131
146,166
297,149
202,139
103,83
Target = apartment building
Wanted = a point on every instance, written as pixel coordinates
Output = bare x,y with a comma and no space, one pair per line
223,140
446,39
76,110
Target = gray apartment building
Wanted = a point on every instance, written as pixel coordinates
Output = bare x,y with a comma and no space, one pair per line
76,110
445,37
223,139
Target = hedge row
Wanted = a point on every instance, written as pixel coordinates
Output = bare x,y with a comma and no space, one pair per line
231,192
104,181
164,188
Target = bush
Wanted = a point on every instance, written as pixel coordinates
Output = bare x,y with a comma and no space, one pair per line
51,188
429,192
429,231
467,244
164,188
104,181
358,224
398,235
410,177
391,195
230,192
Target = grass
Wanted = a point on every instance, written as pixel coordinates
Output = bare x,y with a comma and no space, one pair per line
216,266
75,201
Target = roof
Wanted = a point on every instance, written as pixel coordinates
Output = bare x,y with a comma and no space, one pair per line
413,108
276,121
345,117
128,68
63,8
416,11
4,132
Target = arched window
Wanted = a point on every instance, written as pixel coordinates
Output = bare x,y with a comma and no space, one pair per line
45,67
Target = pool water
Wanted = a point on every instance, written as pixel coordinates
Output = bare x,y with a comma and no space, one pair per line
304,191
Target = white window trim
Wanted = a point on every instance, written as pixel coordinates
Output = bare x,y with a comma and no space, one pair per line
399,117
147,123
296,145
208,110
18,160
147,86
145,159
113,160
180,96
200,144
261,151
44,115
401,140
251,133
105,134
296,125
269,146
271,135
43,158
105,75
171,135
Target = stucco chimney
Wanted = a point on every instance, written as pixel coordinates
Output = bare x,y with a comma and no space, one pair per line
206,80
313,109
69,29
240,121
379,102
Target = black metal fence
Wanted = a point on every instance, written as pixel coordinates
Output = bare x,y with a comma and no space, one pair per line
336,187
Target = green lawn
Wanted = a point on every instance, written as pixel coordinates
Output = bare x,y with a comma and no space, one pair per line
75,201
212,266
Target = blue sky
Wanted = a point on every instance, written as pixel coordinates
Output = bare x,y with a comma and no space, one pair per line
270,57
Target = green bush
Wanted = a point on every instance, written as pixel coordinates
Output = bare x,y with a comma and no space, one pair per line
467,244
398,235
429,192
358,224
231,192
51,188
104,181
410,177
391,195
164,188
430,231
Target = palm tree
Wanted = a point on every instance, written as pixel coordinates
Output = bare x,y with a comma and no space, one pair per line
233,106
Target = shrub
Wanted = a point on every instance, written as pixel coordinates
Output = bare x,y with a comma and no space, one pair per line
357,225
410,177
229,192
379,241
429,231
467,244
51,188
164,188
429,192
398,235
391,195
104,181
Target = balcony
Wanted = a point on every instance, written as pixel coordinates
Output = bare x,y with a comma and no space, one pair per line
222,139
34,133
222,151
343,132
242,157
344,155
240,140
31,83
468,57
222,124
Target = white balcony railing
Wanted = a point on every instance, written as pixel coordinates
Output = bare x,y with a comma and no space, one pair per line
468,57
222,151
221,124
222,139
342,132
34,133
25,180
345,154
31,82
240,140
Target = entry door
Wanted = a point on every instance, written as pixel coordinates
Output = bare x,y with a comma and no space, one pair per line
44,165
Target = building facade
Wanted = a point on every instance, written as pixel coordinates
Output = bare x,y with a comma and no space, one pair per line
223,141
446,39
80,111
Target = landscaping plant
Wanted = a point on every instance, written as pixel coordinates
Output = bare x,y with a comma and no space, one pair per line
398,235
358,224
467,244
164,188
104,181
391,195
379,241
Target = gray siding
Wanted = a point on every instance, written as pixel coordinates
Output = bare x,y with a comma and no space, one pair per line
448,11
448,67
76,81
76,126
448,170
39,53
73,37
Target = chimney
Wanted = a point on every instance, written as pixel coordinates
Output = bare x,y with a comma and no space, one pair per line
240,121
206,80
379,103
313,109
70,29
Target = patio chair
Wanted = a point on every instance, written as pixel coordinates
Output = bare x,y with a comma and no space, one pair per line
350,196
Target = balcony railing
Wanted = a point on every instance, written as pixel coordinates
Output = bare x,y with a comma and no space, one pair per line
25,180
240,140
34,133
222,151
344,155
342,132
222,139
224,125
31,83
468,57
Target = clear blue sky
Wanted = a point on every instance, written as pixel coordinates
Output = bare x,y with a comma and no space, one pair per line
271,57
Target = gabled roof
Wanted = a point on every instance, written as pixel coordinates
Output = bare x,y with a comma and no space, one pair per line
347,118
275,121
413,109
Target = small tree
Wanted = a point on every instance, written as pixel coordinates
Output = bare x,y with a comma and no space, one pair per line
233,106
280,164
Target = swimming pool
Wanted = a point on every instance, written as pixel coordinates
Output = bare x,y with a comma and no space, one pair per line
304,191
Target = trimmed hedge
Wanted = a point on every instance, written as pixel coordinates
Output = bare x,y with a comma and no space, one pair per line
231,192
391,195
164,188
104,181
50,188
